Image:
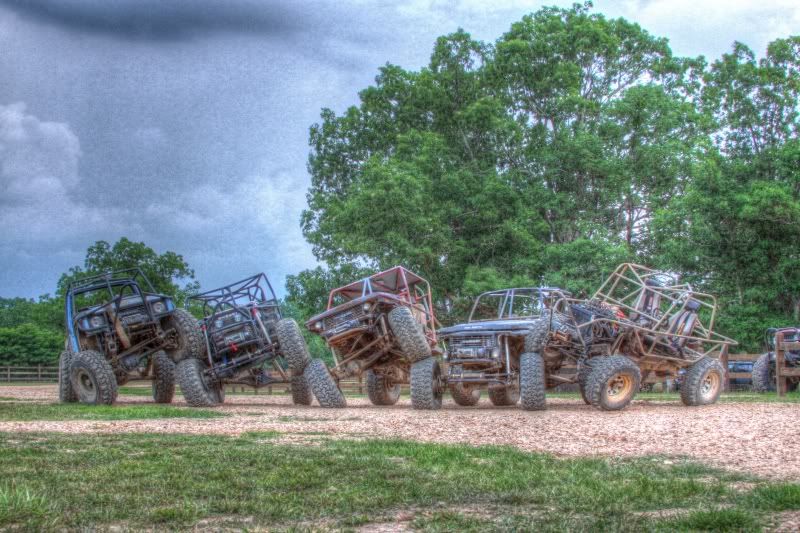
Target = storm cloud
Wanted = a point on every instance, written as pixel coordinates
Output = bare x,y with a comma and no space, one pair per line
184,123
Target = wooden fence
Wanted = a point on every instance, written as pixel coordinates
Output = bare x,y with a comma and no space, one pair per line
49,374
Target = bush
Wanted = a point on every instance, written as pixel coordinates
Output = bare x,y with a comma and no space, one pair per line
29,344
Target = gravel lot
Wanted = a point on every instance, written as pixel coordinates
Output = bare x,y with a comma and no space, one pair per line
760,438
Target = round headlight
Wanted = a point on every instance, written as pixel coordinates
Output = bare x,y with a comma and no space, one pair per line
318,325
365,307
218,323
237,317
96,321
159,308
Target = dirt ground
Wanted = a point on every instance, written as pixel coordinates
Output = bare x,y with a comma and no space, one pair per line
759,438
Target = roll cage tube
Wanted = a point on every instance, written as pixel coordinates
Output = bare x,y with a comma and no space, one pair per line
228,297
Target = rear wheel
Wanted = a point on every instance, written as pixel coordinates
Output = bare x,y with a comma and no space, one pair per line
504,396
583,375
190,338
466,395
66,394
409,334
763,374
427,388
702,383
532,383
92,378
323,386
198,390
380,391
292,344
163,378
301,392
612,382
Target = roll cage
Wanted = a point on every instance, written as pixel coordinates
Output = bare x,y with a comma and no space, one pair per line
507,298
130,278
238,297
664,318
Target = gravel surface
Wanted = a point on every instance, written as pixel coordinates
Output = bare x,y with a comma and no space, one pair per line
759,438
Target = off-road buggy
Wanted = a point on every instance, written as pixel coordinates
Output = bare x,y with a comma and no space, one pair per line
119,329
382,327
245,337
640,322
764,378
485,351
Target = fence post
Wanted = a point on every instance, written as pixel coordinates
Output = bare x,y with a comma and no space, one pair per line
38,372
8,374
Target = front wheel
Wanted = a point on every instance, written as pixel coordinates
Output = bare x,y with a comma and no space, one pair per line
198,390
380,391
532,383
702,383
292,344
163,378
323,386
612,382
427,388
66,394
189,336
92,378
409,334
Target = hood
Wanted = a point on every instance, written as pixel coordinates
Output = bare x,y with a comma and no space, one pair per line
489,326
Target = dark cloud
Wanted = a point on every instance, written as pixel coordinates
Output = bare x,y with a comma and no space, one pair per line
159,20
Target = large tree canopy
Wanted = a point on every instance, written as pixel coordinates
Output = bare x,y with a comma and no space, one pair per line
572,143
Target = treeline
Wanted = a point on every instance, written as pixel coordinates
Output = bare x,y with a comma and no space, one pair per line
572,143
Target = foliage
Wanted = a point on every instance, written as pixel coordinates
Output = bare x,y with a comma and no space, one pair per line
30,344
572,143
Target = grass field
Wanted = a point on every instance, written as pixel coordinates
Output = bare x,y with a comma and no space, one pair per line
53,481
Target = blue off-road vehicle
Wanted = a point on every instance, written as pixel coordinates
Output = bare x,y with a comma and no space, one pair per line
764,379
246,337
485,351
119,329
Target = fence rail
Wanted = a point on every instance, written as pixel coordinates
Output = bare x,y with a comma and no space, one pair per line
49,374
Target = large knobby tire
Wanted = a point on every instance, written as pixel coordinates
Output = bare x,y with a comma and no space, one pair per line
466,395
537,334
409,334
427,388
197,389
612,383
703,382
66,394
92,378
582,376
532,383
301,392
323,386
190,337
764,374
504,396
163,378
292,344
380,391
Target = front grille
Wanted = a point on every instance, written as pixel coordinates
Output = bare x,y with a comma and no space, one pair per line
478,346
135,315
343,321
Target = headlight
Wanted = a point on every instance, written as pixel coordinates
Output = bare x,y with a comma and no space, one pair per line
366,307
96,321
318,325
237,317
218,323
159,308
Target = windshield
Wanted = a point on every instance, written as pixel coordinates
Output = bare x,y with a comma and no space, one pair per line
509,304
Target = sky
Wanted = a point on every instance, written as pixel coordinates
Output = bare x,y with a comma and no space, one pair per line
184,123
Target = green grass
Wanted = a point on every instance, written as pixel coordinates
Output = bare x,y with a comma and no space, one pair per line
174,481
28,411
